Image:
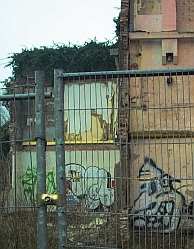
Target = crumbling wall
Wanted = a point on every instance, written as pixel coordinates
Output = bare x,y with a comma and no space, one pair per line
122,170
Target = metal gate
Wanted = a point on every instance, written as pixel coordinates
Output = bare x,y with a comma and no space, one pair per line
105,162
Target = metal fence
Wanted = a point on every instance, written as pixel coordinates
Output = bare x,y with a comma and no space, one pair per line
106,161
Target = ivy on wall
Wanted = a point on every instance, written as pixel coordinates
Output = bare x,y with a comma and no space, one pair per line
92,56
116,20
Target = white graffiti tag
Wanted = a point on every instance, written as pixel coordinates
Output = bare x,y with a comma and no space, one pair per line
90,184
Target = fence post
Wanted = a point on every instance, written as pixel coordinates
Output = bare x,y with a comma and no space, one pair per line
60,155
1,151
40,156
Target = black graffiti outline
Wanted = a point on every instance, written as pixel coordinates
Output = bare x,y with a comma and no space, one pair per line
165,180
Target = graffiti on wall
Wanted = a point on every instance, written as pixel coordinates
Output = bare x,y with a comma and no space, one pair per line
29,183
158,205
91,185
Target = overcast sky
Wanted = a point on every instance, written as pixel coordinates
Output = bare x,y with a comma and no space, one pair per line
36,23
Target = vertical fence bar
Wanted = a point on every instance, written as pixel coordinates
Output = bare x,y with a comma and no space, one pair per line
2,186
40,157
1,151
60,155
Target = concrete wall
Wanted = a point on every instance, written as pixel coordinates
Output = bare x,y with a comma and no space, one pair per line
159,107
162,182
155,16
160,112
148,54
88,173
173,155
169,15
149,23
185,16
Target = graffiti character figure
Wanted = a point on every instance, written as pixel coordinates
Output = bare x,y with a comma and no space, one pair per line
29,183
159,204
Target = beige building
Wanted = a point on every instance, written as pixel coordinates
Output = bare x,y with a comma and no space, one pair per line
158,35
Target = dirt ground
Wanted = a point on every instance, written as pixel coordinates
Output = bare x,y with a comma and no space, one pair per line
90,230
114,231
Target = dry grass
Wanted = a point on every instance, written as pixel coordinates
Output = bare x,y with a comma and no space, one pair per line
18,230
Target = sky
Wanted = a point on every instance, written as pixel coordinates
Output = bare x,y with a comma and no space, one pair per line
36,23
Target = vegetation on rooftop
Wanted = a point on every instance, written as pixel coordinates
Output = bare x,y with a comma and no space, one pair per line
90,57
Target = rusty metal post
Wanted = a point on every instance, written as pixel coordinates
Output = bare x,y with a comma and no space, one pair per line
40,157
60,156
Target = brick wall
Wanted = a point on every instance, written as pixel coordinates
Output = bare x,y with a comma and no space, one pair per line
124,34
124,99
